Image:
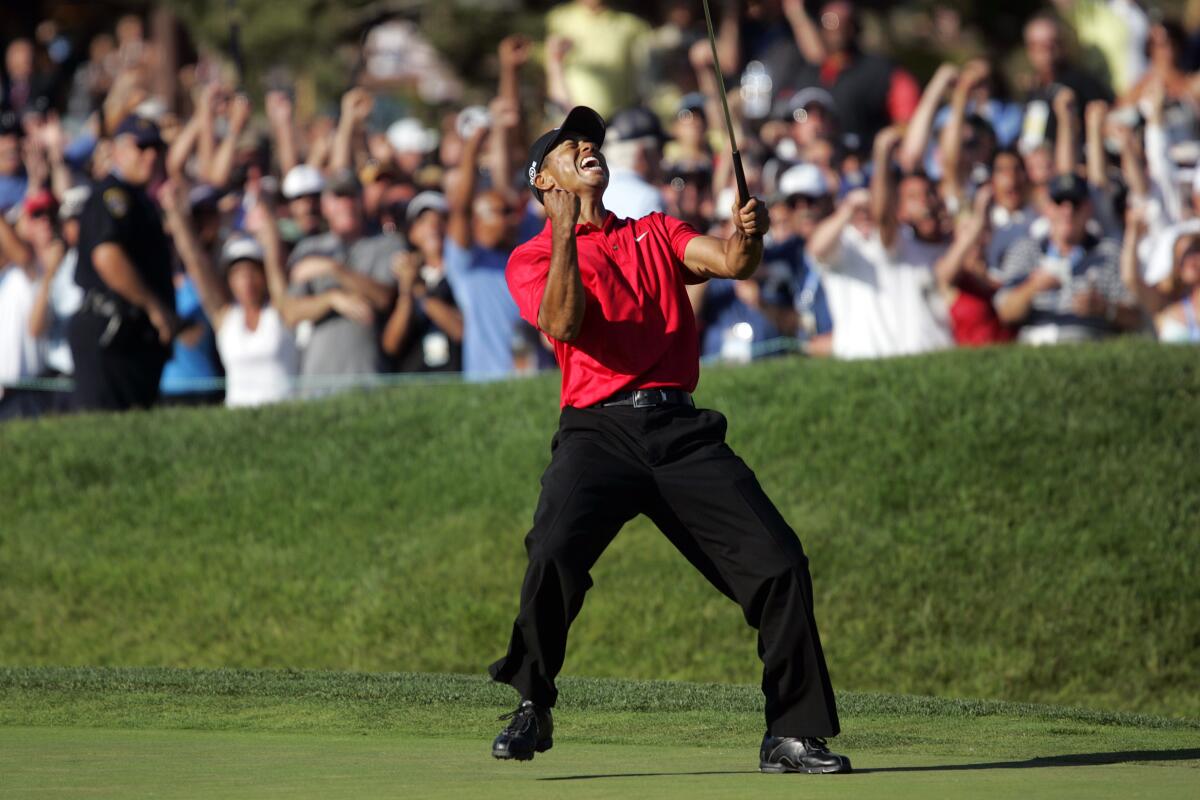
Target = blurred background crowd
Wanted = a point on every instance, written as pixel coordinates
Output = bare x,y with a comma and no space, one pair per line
223,203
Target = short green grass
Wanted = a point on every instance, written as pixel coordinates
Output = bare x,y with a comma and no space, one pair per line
69,733
1013,524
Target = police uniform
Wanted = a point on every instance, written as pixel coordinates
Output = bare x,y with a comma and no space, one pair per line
118,356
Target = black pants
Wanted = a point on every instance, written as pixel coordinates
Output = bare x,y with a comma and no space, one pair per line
672,464
118,377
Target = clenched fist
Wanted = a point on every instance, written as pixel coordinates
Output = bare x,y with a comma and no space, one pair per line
752,219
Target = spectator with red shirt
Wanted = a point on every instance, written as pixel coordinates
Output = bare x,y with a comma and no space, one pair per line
964,281
612,296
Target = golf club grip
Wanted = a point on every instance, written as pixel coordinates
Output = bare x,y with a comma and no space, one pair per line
740,174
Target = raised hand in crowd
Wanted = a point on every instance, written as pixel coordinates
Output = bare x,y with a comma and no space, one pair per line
1066,142
356,108
282,126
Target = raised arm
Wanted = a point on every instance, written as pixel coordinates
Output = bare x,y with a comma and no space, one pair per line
920,127
222,165
214,296
1097,161
460,193
950,268
739,255
560,314
182,147
1150,299
823,245
950,141
1066,139
804,31
13,247
356,107
557,92
883,184
283,131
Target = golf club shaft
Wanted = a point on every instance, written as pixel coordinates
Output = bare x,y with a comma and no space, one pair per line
738,171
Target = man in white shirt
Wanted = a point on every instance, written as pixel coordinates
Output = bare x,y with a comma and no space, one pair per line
880,285
633,151
19,356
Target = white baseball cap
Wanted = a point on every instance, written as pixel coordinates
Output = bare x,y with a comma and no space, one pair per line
408,135
426,201
803,179
241,248
302,180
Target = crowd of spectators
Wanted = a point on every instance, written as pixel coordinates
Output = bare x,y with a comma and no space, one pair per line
1058,201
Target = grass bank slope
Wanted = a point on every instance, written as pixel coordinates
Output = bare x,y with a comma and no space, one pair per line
1018,524
184,733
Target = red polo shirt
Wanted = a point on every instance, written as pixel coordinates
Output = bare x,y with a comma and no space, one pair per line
638,331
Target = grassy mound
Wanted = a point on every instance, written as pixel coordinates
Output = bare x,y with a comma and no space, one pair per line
1015,523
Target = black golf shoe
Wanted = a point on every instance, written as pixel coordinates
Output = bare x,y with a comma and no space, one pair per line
530,730
808,754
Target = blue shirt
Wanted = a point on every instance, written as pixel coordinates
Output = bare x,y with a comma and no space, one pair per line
490,317
791,280
189,364
12,190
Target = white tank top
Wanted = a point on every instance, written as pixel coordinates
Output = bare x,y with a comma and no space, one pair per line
260,364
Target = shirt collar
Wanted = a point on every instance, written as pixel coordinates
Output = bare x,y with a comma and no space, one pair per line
587,227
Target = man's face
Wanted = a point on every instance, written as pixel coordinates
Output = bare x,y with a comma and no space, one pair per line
1008,181
343,213
18,59
1068,220
807,213
920,207
811,123
1043,46
10,155
494,221
305,211
428,231
574,165
135,163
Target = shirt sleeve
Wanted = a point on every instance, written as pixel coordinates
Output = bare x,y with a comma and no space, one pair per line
680,234
1017,265
457,260
100,225
527,272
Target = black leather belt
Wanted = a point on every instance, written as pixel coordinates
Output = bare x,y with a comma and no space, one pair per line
646,398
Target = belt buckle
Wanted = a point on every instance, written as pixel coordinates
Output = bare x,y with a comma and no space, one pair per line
647,398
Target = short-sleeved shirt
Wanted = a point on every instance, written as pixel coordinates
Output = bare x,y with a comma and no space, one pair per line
123,214
638,329
341,346
490,318
1094,264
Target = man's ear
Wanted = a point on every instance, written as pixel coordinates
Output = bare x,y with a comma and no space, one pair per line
544,182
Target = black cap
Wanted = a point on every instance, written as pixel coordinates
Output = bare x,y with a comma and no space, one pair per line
343,183
144,131
581,120
636,123
1068,186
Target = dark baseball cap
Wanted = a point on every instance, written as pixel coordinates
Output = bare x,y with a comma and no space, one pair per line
636,123
581,120
1068,186
145,132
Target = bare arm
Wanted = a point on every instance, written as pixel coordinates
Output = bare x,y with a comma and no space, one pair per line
920,127
949,267
206,136
808,38
560,314
12,246
1147,297
825,240
557,92
214,297
1097,161
356,107
283,133
1066,140
950,142
222,165
883,185
379,296
739,255
729,37
461,193
182,147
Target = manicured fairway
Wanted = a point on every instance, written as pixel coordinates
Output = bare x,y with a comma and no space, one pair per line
69,733
55,762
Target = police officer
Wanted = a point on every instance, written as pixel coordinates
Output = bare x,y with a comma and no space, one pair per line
122,334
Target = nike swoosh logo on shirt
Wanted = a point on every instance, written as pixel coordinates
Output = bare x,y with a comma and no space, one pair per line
643,236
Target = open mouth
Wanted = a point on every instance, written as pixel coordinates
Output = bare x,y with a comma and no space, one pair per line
590,164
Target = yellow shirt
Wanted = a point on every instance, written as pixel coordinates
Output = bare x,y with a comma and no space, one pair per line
603,66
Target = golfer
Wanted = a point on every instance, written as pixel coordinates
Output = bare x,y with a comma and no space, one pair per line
611,294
